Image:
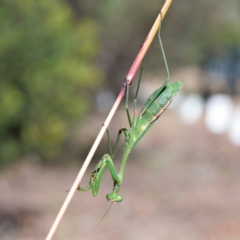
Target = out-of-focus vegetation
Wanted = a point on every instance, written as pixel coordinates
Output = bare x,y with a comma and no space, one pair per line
47,49
191,31
47,75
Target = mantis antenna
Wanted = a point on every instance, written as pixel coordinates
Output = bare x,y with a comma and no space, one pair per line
103,216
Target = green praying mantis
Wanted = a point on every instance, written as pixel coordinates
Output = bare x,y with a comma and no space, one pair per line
155,105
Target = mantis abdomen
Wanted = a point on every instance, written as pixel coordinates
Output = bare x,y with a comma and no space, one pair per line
160,101
155,105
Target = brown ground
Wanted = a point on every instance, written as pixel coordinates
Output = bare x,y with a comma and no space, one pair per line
181,183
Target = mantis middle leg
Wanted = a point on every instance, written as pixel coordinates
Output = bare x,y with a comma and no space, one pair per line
113,153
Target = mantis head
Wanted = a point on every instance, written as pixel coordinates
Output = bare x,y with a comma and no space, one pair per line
114,197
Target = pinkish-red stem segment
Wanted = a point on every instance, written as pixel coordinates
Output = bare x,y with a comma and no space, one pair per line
134,68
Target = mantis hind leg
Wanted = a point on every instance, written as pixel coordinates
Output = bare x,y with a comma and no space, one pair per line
156,94
163,54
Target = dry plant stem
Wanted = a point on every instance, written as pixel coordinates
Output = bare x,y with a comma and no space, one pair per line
127,81
132,72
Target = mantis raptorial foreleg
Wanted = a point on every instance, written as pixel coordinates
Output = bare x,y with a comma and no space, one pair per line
97,175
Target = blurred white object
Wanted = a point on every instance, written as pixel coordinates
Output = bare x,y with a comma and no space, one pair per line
104,100
219,109
234,128
191,108
177,101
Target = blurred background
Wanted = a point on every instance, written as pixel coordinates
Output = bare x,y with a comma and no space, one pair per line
62,64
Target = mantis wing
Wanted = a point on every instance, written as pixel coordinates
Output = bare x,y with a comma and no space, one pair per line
154,107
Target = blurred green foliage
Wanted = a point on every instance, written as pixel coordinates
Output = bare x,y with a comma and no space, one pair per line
47,75
47,48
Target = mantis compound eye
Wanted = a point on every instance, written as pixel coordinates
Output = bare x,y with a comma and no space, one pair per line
113,197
